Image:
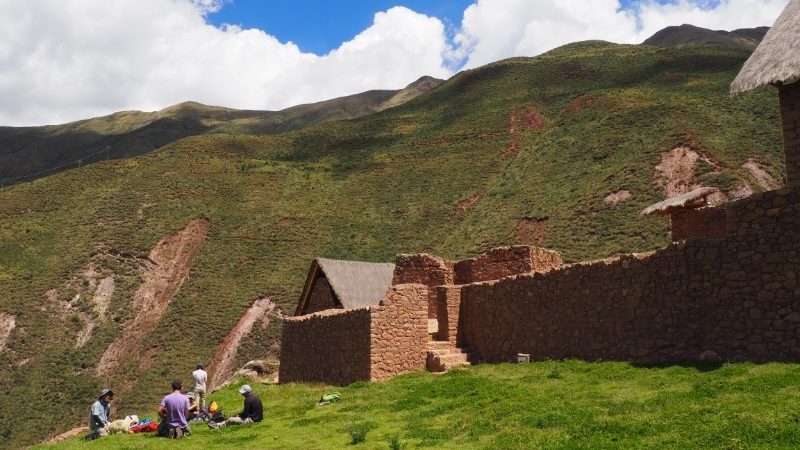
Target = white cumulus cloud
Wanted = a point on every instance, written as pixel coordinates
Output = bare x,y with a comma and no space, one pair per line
494,29
63,60
71,59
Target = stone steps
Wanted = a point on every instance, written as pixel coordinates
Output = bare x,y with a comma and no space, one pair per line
443,356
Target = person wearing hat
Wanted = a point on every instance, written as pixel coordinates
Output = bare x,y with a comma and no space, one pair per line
98,416
253,410
194,408
173,411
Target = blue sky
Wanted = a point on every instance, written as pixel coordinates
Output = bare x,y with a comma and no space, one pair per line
320,26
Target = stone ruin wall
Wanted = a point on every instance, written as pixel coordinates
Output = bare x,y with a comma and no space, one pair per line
734,298
341,346
321,298
505,261
332,347
790,123
399,332
701,222
448,299
424,269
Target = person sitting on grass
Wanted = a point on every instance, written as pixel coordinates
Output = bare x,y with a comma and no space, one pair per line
253,410
98,417
173,411
194,407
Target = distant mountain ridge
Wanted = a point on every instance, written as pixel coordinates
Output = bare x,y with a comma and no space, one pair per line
28,153
32,152
690,35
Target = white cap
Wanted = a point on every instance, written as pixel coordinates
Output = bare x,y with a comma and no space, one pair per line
245,389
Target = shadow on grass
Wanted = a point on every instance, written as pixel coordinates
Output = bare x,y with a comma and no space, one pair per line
701,366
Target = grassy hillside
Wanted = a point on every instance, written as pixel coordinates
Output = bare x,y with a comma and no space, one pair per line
33,152
689,35
549,405
525,150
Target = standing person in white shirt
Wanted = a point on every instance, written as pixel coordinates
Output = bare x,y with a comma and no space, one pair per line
200,377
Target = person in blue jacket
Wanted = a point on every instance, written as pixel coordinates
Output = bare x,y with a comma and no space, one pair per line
98,416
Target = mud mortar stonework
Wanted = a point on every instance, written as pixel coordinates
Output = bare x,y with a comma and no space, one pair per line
700,222
504,261
737,297
399,332
341,346
424,269
733,297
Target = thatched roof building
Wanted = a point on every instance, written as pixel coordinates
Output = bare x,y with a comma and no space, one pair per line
697,198
333,283
776,61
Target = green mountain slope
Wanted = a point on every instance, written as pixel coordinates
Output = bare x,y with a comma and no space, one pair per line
526,150
32,152
688,35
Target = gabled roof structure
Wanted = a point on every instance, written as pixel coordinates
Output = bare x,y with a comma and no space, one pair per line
357,284
777,59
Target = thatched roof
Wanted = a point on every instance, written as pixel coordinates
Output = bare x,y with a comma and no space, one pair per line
356,283
689,200
777,58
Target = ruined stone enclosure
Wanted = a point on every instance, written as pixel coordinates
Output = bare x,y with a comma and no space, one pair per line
731,297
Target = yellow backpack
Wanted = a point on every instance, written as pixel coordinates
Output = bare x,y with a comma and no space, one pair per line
213,408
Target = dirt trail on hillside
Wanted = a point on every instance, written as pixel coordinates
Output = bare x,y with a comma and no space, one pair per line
170,262
100,301
222,363
68,435
468,202
762,177
7,324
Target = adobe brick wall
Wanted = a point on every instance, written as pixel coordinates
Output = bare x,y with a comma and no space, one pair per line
734,298
505,261
701,222
425,269
321,297
331,347
790,120
399,332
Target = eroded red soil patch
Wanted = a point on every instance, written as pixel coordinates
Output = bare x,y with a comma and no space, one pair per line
579,103
468,202
531,230
170,262
222,363
533,120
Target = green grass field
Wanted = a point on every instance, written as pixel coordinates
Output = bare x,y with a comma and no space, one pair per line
552,405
